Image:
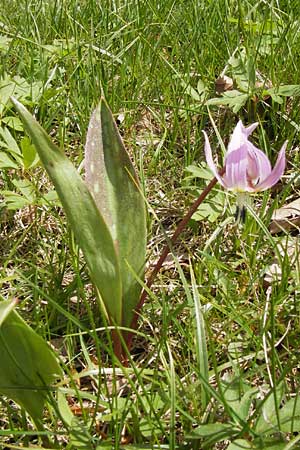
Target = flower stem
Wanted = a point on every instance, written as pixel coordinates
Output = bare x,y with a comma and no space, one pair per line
165,253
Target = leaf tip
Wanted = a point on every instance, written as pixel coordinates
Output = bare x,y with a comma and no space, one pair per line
19,107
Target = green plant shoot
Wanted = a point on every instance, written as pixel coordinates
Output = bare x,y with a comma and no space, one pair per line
106,214
111,179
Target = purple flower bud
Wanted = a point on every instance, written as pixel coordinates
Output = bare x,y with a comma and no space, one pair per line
247,168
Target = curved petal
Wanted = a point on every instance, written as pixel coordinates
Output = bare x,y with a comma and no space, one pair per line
276,173
249,130
240,135
236,165
238,138
259,166
209,160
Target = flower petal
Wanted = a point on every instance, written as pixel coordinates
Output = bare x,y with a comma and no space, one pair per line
209,160
249,130
276,173
240,135
259,166
236,164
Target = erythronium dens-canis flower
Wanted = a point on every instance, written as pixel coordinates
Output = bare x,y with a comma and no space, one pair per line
247,168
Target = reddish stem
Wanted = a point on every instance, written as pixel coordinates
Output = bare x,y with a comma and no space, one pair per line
117,345
165,253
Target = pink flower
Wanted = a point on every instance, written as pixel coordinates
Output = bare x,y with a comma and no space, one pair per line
247,169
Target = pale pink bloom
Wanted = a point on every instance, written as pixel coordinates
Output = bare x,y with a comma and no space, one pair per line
247,169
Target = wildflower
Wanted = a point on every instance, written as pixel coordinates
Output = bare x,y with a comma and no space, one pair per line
247,168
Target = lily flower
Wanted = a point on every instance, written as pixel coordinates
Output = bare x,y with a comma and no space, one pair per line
247,168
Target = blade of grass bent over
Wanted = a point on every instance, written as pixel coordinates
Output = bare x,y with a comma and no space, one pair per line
89,227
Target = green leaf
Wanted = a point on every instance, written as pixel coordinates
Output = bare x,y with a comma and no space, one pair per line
217,430
6,90
276,98
238,395
113,183
233,99
20,89
201,171
211,209
148,429
290,416
79,435
6,307
89,228
27,364
26,189
271,444
10,144
239,444
13,122
30,156
242,444
27,195
268,420
14,201
50,197
6,162
287,90
64,409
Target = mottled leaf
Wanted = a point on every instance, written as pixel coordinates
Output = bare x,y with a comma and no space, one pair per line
113,183
89,228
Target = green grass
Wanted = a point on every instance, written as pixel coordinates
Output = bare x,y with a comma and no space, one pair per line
217,350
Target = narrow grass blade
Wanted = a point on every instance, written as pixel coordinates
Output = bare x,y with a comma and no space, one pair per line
113,183
89,228
201,347
172,379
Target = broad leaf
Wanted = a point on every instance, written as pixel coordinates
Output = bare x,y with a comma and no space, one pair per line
216,430
6,307
289,418
287,90
78,432
240,444
268,420
14,201
113,183
233,99
238,395
13,122
90,230
27,364
199,171
10,144
6,162
30,156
